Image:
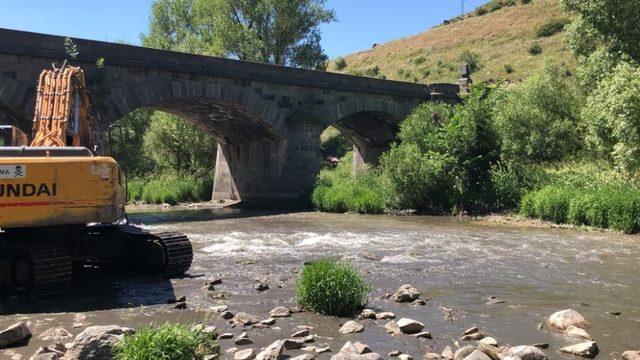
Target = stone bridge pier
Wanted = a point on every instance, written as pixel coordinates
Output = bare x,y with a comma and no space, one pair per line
266,119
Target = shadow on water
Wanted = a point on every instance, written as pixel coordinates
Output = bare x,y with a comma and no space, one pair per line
169,216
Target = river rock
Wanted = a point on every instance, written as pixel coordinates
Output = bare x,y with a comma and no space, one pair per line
576,332
96,342
293,344
447,353
350,352
423,335
55,334
244,341
225,336
489,341
409,326
268,322
406,293
477,355
304,357
432,356
395,353
247,354
561,320
473,336
261,287
587,349
219,309
367,314
246,319
300,333
227,315
362,348
526,352
14,334
386,315
463,352
631,355
44,356
280,312
471,330
351,327
272,352
392,328
492,351
405,357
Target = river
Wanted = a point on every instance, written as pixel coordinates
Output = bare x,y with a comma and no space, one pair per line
457,263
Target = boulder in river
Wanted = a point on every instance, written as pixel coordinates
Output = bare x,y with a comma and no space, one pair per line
279,312
272,352
463,352
367,314
385,315
587,349
96,342
351,327
631,355
576,332
246,354
350,352
526,352
409,326
477,355
447,353
55,334
561,320
14,334
406,293
246,319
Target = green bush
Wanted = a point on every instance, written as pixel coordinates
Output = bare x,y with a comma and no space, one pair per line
341,63
170,189
538,120
472,59
338,191
420,60
552,27
331,288
168,342
509,69
444,157
535,49
512,181
525,2
481,11
612,114
614,207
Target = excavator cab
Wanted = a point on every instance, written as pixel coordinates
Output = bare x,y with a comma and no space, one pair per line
63,205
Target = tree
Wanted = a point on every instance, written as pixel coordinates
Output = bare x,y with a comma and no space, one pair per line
615,21
283,32
538,120
174,25
179,147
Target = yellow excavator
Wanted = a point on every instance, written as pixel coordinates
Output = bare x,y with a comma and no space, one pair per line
62,206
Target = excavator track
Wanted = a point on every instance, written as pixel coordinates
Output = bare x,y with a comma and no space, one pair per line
177,251
41,268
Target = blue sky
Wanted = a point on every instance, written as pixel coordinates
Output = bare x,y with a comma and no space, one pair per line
361,23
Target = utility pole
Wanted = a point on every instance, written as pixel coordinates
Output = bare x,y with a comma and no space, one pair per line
461,7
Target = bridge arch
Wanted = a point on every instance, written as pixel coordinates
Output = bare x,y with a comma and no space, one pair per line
16,102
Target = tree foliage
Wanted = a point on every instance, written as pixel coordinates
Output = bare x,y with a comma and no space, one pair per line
283,32
538,120
178,146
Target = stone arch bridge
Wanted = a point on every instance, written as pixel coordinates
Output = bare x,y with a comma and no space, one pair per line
266,119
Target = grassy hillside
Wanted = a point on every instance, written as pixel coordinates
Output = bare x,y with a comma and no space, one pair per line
501,36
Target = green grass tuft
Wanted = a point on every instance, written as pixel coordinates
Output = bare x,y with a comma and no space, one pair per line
332,288
168,342
170,189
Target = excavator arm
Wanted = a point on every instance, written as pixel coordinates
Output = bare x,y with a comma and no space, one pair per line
63,115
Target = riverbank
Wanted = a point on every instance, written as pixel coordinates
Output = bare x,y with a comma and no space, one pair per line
503,278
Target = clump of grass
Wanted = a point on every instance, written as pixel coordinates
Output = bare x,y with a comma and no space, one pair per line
508,68
168,342
332,288
170,189
552,27
607,207
535,49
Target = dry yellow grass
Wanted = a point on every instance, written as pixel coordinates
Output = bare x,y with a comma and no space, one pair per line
501,38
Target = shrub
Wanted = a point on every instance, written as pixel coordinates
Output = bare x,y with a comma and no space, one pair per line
495,6
525,2
135,189
538,120
338,191
512,181
331,288
509,69
341,63
420,60
612,114
535,49
472,59
444,157
481,11
552,27
168,342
